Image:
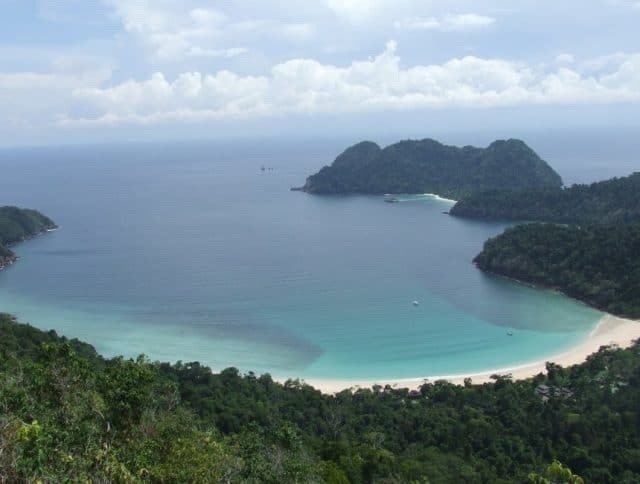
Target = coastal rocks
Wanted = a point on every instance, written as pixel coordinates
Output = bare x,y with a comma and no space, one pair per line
7,260
18,225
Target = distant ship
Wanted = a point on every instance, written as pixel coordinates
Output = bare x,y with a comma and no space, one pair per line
390,199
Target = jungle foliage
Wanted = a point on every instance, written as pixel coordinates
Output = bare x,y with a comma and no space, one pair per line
68,415
607,202
427,166
599,265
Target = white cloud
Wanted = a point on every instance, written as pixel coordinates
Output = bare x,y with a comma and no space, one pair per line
174,31
447,23
29,99
378,84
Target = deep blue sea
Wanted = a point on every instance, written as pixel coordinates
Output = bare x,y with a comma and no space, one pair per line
188,251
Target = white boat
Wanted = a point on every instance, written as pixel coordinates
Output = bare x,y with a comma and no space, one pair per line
415,303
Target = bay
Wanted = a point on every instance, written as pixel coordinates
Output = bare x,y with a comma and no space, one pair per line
189,251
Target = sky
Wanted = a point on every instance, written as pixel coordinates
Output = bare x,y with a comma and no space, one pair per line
73,71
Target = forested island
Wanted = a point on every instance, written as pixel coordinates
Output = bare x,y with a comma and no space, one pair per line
69,415
427,166
606,202
17,225
599,265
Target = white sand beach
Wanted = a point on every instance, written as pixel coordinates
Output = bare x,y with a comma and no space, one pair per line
610,330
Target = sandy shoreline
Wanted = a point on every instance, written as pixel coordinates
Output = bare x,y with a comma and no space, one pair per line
610,330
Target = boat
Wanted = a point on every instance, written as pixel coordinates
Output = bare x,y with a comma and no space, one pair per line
509,333
415,303
390,199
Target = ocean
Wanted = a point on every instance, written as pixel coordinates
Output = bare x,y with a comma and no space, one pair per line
189,251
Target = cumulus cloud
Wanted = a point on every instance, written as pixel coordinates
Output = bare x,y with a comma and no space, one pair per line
378,84
447,23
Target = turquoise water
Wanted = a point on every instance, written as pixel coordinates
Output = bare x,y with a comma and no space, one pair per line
191,252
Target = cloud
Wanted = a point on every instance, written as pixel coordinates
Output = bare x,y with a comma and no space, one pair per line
35,99
174,32
447,23
306,86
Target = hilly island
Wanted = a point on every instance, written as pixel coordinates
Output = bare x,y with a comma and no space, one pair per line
427,166
16,225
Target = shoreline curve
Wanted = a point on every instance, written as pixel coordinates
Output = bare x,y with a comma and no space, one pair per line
609,331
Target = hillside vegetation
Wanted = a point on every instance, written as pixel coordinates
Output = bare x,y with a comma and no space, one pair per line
606,202
599,265
68,415
427,166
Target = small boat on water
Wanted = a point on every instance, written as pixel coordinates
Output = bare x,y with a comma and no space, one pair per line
390,198
416,303
509,333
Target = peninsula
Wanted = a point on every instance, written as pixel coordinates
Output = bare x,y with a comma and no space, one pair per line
16,225
598,265
427,166
606,202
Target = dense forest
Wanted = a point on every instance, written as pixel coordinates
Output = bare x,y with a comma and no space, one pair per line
427,166
599,265
16,225
68,415
611,201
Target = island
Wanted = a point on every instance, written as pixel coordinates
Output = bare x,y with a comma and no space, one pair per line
427,166
607,202
17,225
